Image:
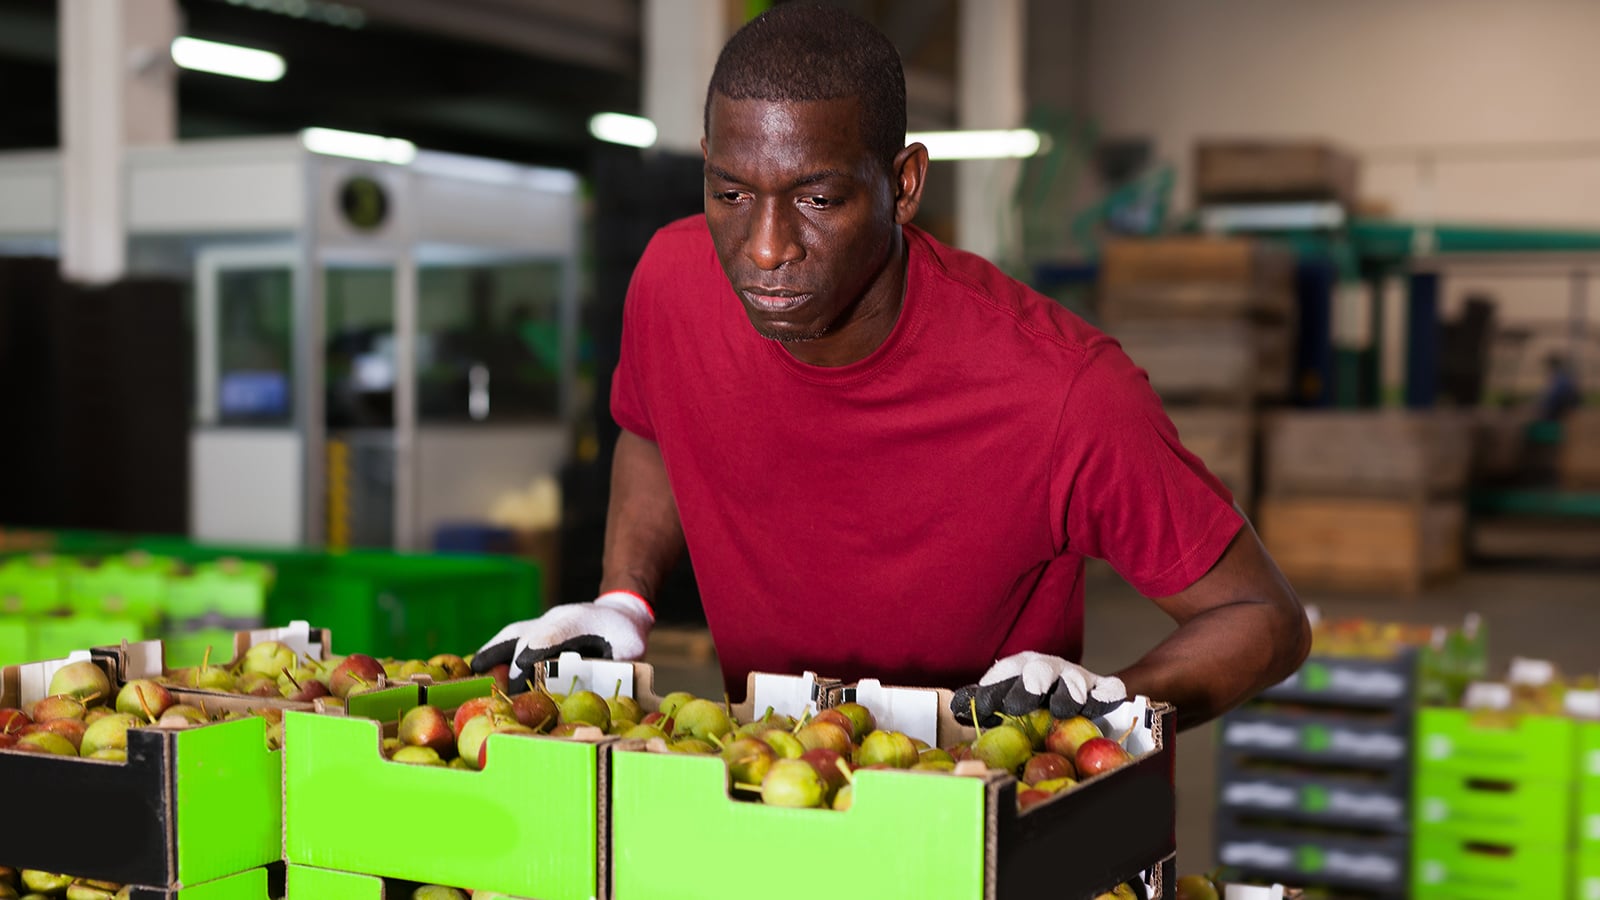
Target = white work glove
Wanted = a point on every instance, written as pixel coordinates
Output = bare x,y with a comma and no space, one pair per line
614,626
1024,682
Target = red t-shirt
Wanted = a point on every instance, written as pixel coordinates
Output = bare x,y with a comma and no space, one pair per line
922,512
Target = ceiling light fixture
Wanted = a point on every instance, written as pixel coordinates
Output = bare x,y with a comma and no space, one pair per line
355,145
1015,143
617,128
227,59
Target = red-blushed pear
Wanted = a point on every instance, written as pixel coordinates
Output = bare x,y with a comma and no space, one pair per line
293,680
46,742
1067,735
12,719
82,680
71,729
840,719
143,697
357,670
8,739
824,734
426,726
1056,785
477,706
568,729
255,684
110,733
1030,798
831,767
536,710
182,716
502,677
504,726
1046,766
660,720
792,783
1101,754
58,707
862,722
934,754
471,737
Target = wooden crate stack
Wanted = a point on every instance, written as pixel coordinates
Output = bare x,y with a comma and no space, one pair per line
1579,462
1366,499
1211,320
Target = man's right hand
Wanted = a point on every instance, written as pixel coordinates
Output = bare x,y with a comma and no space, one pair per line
614,626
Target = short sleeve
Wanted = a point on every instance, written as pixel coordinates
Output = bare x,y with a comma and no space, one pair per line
1132,495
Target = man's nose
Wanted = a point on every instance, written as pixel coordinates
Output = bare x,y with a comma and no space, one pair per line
773,237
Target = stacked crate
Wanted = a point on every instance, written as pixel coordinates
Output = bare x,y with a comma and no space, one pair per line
1368,499
1211,321
1579,461
1314,777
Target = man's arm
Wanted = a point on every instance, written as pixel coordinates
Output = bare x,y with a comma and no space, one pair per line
1241,629
644,538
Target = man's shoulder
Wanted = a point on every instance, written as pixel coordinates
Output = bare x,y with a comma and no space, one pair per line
677,252
1001,298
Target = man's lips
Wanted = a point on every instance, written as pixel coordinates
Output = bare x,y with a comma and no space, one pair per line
774,299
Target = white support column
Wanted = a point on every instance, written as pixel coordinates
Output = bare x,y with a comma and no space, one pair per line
681,41
117,87
989,94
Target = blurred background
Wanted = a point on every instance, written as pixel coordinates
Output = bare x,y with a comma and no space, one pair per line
308,309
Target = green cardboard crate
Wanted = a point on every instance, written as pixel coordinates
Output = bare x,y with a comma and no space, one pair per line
1495,745
1522,810
34,583
1589,752
1588,827
186,808
1452,869
535,811
309,883
1586,876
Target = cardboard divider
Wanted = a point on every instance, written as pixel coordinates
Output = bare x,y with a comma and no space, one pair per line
255,884
536,810
787,694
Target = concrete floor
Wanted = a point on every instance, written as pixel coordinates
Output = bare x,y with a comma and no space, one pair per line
1546,612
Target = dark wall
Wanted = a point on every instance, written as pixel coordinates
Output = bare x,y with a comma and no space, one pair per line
634,194
97,386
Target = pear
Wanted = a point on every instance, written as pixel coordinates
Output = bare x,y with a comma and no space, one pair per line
437,892
588,708
792,783
58,707
82,680
453,665
418,756
110,733
45,882
748,760
46,742
268,658
1003,747
887,747
143,697
862,721
787,745
671,702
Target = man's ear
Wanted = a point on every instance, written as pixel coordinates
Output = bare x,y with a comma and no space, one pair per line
910,173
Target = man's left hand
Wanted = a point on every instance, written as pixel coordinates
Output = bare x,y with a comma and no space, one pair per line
1024,682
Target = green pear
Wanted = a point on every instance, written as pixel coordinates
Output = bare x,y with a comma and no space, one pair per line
110,733
702,719
82,680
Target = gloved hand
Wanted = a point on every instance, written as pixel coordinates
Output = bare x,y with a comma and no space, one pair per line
614,626
1026,681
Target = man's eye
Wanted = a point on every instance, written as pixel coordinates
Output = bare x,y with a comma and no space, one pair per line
727,196
818,202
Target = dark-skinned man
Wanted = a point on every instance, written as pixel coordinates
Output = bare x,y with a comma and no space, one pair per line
885,457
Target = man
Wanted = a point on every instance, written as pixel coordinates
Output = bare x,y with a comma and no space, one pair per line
886,458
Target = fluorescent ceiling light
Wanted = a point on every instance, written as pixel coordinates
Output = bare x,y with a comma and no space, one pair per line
616,128
1012,144
356,145
226,59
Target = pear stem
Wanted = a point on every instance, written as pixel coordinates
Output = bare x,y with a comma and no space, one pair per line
727,704
973,702
138,691
844,767
292,679
754,788
1128,733
574,688
205,662
618,692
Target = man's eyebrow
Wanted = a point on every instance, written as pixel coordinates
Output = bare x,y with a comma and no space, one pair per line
802,181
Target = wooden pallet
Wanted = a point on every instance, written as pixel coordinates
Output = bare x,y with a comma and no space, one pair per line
1396,454
1194,277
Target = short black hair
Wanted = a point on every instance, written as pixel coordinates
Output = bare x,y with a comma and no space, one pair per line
809,51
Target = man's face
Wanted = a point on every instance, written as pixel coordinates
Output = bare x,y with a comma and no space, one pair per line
804,221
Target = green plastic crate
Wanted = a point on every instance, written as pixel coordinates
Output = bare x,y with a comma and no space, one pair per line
1586,877
15,637
34,583
1588,821
53,637
1495,745
226,590
133,586
1498,811
1458,870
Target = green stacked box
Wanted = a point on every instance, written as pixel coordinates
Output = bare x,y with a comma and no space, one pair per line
309,883
52,605
1494,805
1586,876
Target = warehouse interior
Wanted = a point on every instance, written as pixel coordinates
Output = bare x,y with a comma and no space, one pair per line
333,342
